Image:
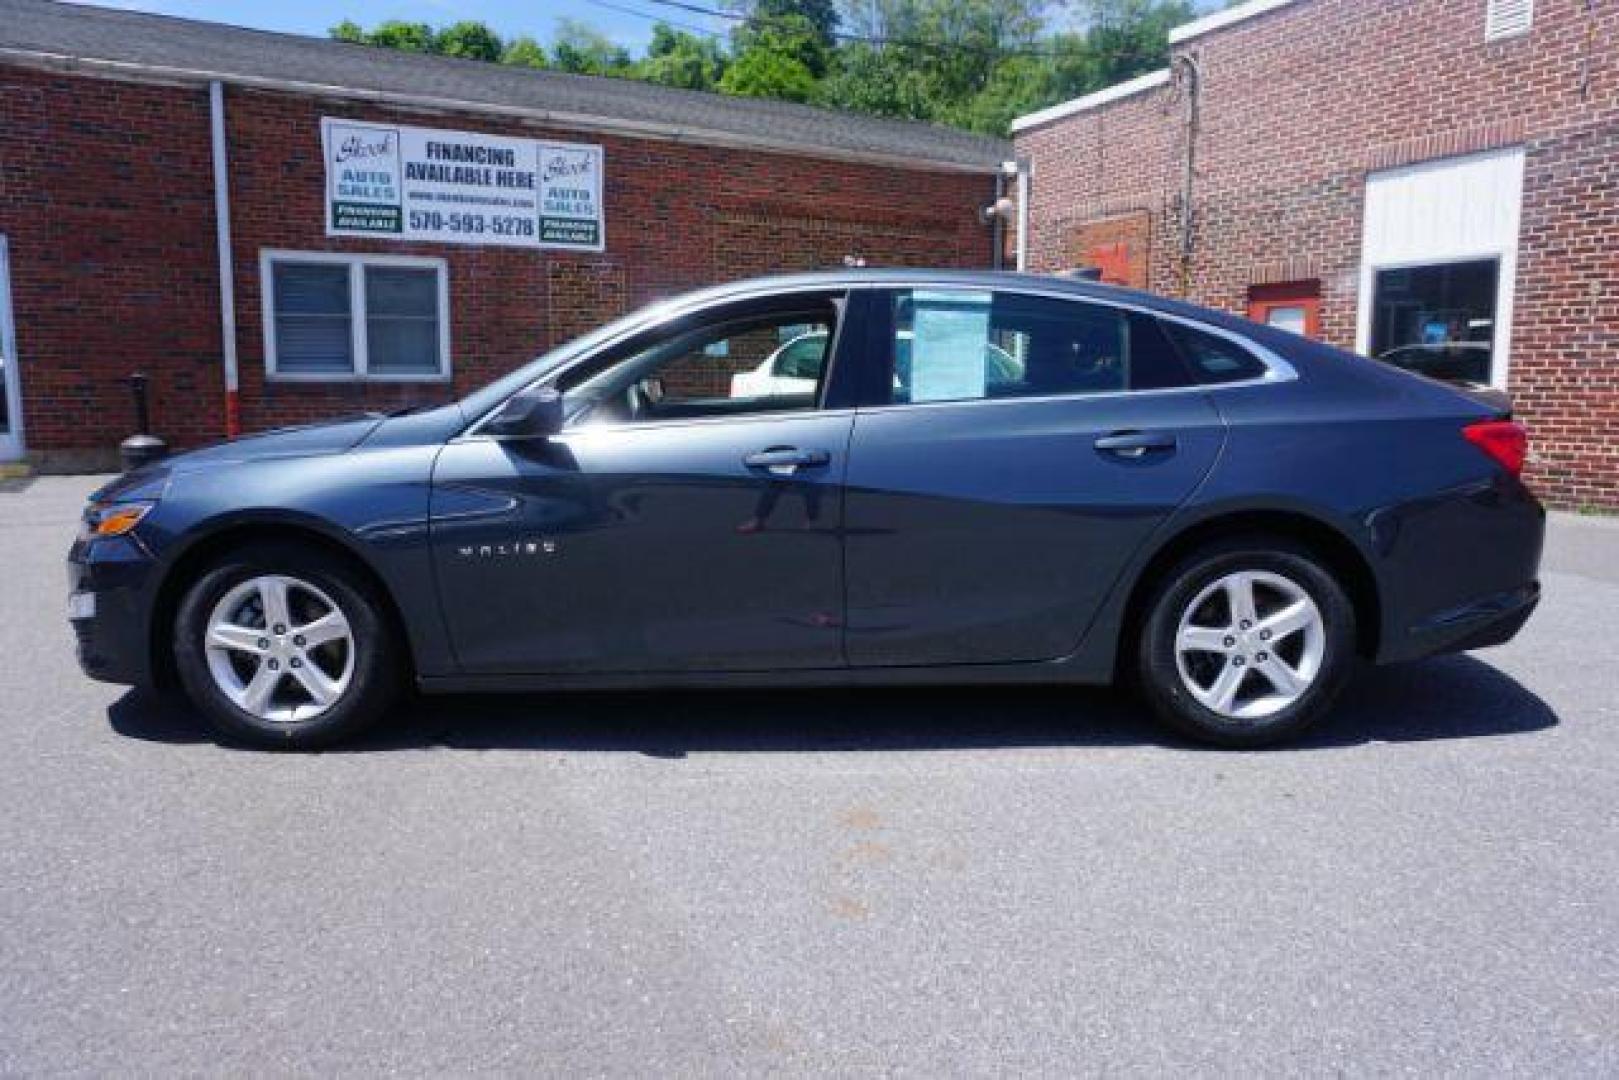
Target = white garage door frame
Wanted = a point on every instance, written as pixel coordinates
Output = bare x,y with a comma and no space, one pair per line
1447,211
11,438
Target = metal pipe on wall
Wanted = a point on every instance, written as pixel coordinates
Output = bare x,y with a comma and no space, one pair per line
1193,88
998,223
1023,169
227,262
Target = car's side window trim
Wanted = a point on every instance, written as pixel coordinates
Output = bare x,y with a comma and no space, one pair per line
858,297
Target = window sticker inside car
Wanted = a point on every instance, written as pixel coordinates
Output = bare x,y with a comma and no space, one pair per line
951,329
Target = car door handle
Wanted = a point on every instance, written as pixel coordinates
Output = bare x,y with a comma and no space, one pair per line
1135,444
786,460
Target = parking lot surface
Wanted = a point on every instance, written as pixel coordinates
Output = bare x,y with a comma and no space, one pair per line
917,882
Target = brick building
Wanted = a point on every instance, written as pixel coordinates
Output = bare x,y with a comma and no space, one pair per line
397,228
1433,179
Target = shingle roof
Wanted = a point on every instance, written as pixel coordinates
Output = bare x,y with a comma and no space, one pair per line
108,39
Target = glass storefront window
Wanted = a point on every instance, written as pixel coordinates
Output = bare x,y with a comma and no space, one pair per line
1437,320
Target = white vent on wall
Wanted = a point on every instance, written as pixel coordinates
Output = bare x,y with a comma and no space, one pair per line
1508,18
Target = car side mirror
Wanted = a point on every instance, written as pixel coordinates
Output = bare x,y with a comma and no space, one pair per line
535,413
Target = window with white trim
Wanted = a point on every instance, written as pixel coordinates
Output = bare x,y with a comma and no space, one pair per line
341,317
1508,18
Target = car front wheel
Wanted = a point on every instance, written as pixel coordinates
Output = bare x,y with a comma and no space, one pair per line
1246,643
283,646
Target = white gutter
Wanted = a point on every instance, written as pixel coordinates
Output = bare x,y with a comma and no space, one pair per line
227,262
1219,20
1139,84
123,69
1023,166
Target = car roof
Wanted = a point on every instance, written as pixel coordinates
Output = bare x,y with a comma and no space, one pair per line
901,277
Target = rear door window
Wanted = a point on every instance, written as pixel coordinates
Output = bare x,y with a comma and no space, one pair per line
967,344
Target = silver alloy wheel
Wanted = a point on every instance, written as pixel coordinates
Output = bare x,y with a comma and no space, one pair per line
1250,644
280,648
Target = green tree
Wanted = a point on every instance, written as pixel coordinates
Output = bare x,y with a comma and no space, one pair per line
582,49
677,58
405,36
348,30
877,80
974,64
821,16
469,40
768,73
524,51
1128,37
791,38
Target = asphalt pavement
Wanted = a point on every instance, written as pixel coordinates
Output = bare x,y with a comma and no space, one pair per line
913,882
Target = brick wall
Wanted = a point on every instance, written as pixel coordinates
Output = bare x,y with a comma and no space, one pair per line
107,206
1299,104
106,195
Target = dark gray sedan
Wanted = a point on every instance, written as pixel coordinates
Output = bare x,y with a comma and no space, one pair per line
979,478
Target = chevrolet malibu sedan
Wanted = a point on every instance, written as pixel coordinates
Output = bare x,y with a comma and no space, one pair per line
1227,516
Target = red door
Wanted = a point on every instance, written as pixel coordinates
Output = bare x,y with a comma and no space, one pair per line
1293,305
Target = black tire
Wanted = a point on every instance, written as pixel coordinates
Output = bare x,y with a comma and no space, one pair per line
377,671
1159,675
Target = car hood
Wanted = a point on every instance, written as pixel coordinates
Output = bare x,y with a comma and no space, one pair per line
305,440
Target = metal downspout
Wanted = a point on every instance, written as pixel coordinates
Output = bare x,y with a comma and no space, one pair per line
1023,168
1193,89
227,264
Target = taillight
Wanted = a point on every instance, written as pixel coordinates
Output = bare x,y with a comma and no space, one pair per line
1507,442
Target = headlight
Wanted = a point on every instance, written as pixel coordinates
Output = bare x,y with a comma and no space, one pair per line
113,519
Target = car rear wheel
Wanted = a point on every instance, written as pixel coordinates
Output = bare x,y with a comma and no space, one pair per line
284,646
1246,643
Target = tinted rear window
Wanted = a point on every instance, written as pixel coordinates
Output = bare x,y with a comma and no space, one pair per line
1213,359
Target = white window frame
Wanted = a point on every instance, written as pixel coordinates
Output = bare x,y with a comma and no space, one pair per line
1504,249
1504,19
356,264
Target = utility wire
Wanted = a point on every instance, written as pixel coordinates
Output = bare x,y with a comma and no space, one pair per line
689,27
863,39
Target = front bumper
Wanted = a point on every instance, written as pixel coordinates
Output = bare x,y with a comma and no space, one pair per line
108,609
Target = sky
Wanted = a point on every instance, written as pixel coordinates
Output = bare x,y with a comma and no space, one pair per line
509,18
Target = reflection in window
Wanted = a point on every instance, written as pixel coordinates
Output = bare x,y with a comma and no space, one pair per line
1437,320
760,363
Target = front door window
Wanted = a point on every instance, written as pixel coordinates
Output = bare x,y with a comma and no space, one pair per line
1437,320
765,362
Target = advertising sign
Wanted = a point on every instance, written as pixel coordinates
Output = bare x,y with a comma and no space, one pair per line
461,187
